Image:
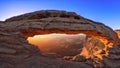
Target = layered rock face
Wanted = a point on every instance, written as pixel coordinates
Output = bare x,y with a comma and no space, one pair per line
16,52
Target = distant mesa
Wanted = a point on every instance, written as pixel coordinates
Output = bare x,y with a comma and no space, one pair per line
1,21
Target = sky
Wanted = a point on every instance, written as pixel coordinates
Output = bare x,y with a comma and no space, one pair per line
105,11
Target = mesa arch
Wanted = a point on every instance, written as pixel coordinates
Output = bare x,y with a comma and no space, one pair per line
62,22
54,21
65,25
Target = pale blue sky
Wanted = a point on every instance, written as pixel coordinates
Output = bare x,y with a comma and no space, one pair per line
106,11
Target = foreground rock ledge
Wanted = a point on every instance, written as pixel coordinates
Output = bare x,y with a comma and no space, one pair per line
16,52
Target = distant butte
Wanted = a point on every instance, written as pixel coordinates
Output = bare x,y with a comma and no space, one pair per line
16,52
118,32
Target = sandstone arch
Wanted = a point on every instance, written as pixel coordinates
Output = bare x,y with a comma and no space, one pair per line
45,22
53,21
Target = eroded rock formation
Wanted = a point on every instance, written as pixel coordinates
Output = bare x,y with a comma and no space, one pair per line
16,52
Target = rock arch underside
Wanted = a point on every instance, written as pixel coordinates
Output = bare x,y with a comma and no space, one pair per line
16,52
